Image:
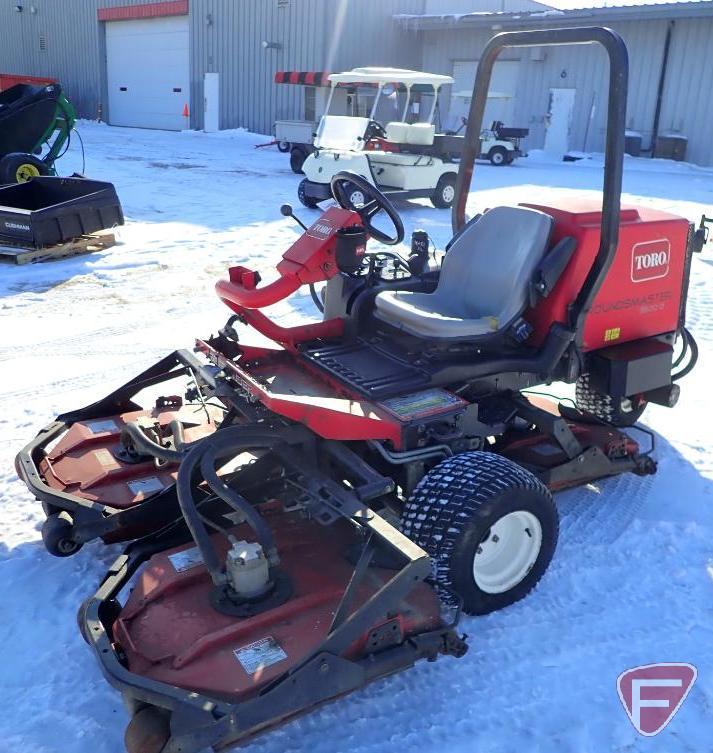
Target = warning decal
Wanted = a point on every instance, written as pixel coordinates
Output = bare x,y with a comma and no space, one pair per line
186,559
145,485
259,655
422,404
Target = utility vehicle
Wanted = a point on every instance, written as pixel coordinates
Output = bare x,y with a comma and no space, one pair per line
347,490
404,159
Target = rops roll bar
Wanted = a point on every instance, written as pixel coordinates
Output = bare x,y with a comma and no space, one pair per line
614,149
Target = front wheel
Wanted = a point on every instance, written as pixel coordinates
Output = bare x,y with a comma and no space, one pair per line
498,156
305,200
283,146
57,535
490,526
445,192
148,731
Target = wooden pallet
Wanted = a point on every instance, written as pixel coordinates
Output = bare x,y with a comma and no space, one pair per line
85,244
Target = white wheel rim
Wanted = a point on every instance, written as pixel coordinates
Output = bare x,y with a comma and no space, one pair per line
448,193
357,199
497,158
504,559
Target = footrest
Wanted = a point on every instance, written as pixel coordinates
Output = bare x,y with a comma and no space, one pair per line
368,369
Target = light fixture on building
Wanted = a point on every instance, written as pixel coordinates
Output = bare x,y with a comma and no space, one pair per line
271,45
18,8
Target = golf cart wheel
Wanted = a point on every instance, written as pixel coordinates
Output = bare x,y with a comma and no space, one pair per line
498,156
354,195
148,731
305,200
489,525
283,146
445,191
297,159
625,411
57,535
19,168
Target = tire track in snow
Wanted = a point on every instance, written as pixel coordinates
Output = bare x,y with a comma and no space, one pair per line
598,514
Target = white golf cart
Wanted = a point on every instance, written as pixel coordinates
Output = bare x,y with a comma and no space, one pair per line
499,144
405,159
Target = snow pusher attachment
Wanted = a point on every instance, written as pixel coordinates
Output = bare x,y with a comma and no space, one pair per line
319,512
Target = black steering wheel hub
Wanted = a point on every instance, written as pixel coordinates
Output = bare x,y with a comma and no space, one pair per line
355,193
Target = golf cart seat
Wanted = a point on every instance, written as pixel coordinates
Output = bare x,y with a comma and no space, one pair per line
417,134
484,281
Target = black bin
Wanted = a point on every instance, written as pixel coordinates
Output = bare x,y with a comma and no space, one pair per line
632,143
47,211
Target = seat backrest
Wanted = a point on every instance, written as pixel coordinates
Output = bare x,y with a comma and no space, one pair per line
416,134
488,268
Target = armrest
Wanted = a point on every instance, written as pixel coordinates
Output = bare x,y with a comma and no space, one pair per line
550,269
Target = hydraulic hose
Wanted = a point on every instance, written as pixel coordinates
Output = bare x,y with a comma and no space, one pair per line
315,298
238,502
692,360
203,455
144,444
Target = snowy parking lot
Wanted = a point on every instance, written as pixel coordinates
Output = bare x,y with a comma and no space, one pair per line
632,579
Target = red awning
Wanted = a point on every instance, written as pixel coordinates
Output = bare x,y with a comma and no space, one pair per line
308,78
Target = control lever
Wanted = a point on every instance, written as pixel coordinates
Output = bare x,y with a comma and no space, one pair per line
286,211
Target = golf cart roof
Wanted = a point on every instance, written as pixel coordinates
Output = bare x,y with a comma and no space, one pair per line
406,78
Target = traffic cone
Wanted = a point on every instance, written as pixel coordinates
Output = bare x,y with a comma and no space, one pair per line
186,115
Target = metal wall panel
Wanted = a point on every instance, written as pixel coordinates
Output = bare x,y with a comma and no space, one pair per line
328,35
687,106
73,46
227,36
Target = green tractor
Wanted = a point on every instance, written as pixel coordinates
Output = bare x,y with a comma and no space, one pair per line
35,127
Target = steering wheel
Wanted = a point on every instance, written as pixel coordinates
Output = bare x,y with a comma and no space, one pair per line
349,189
374,129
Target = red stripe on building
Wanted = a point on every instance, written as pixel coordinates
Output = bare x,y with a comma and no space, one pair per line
147,10
310,78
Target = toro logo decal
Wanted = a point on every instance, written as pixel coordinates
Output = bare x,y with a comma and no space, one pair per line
650,260
321,229
653,693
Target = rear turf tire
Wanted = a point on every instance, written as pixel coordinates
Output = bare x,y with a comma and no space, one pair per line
445,192
623,412
456,513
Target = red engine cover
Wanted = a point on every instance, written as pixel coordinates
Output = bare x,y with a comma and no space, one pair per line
641,295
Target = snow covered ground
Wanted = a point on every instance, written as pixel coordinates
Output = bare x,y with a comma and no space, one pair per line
631,582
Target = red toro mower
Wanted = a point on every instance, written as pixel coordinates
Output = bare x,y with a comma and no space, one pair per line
341,496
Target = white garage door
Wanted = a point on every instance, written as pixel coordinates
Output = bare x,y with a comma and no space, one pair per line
147,72
501,95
